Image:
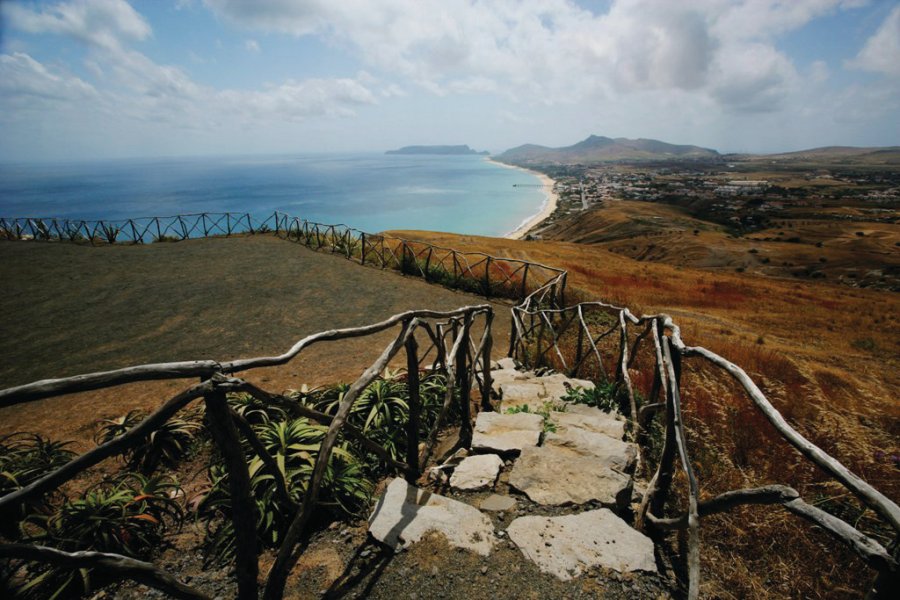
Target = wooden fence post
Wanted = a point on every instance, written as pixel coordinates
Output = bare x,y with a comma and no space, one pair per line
243,509
486,362
412,425
487,277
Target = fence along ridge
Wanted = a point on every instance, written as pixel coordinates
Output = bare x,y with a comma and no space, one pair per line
532,321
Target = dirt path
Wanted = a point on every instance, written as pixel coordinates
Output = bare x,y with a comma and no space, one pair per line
71,309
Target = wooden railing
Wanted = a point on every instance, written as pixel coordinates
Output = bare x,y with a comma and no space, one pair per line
589,339
604,342
142,230
489,276
452,345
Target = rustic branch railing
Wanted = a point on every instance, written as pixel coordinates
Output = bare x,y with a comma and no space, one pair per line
455,351
590,337
471,271
143,230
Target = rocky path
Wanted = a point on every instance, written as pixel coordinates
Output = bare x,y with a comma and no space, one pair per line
545,476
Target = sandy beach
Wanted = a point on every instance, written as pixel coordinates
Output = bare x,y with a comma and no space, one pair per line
547,207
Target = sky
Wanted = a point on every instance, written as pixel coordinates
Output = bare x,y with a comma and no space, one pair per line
86,79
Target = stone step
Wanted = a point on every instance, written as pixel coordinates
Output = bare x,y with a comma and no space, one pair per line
558,475
496,432
570,545
405,514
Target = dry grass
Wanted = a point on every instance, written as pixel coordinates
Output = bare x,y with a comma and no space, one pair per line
827,356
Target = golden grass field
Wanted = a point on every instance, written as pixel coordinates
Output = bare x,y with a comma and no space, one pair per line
828,356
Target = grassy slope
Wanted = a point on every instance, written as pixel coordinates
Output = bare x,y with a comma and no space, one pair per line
827,356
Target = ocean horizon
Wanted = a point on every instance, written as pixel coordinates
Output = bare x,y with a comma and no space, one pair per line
368,191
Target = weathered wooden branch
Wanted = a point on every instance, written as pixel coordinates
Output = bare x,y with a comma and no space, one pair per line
693,559
865,547
868,494
243,508
412,424
121,566
770,494
278,573
268,461
92,381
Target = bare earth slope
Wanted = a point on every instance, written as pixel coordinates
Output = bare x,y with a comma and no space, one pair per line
71,309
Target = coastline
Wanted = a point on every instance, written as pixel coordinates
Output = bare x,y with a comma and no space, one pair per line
548,206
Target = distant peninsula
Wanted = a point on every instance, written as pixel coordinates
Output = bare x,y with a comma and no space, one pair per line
463,149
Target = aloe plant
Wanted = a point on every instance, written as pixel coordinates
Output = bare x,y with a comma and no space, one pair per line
129,515
163,446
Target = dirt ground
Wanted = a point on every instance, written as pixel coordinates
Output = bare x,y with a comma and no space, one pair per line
70,309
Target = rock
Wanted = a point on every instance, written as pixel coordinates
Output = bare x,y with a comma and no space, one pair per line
503,376
476,472
496,502
590,419
506,433
404,514
508,363
610,452
558,475
555,385
568,546
520,393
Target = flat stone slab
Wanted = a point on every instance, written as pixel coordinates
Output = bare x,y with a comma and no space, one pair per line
506,433
607,451
568,546
517,393
405,514
555,385
476,472
590,419
498,503
557,475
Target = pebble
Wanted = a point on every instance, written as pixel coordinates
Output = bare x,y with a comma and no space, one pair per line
484,570
365,553
435,571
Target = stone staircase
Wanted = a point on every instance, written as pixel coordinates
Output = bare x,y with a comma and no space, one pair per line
566,462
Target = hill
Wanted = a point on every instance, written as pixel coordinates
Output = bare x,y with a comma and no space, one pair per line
600,149
461,149
834,155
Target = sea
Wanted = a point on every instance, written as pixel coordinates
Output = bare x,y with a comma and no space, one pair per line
372,192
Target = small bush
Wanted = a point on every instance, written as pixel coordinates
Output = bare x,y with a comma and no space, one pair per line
163,446
602,396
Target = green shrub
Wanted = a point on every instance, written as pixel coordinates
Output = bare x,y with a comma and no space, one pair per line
164,446
128,515
24,458
294,444
603,396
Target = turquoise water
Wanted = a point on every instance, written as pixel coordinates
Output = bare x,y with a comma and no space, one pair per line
372,192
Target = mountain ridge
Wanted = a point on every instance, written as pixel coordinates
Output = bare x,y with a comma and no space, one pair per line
600,149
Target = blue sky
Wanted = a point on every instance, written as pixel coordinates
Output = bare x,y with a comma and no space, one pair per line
111,78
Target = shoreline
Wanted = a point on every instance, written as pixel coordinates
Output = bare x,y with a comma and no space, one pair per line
547,208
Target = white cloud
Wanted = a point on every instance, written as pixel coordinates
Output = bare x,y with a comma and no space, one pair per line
103,23
553,51
137,88
251,46
881,53
25,83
